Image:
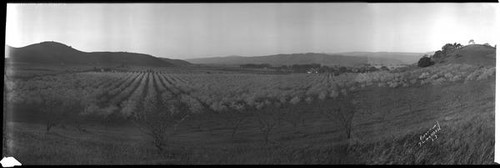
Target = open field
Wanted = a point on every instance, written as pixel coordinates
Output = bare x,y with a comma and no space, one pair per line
253,118
250,84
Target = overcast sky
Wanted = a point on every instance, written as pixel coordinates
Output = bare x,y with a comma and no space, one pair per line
204,30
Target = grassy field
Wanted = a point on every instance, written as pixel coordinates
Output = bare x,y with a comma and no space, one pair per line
385,130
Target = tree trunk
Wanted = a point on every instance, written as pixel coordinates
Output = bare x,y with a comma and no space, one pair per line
235,128
49,126
295,124
159,146
234,131
266,137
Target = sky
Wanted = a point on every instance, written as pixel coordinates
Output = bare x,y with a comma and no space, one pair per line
183,31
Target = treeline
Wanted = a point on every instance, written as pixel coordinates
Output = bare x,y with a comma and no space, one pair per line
440,55
316,68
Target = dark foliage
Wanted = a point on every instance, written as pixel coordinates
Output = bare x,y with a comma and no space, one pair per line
445,51
425,62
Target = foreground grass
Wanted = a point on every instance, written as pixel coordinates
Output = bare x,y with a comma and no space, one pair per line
385,132
470,142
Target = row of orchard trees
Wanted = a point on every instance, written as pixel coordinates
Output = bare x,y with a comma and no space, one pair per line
223,92
66,97
62,98
266,95
158,103
105,93
160,117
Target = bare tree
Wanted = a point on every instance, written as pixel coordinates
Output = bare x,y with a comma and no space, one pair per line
57,109
210,122
234,120
342,111
160,119
458,100
294,115
53,111
268,120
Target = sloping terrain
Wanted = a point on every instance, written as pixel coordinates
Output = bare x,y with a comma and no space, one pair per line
476,54
60,54
177,62
384,132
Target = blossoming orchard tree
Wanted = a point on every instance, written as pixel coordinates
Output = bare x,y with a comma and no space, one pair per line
159,120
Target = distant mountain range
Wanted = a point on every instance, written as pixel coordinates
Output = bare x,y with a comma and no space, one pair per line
58,53
343,59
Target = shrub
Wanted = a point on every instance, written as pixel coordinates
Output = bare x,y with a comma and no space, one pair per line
393,84
344,92
217,106
334,94
425,81
259,105
194,105
381,84
425,62
424,75
413,81
237,106
322,95
456,78
295,100
309,99
486,74
472,76
435,76
438,81
448,75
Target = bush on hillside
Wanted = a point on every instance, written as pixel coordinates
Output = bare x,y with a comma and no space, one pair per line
445,51
486,73
425,62
438,81
424,75
448,48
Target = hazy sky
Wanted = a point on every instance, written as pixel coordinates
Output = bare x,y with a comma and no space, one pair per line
204,30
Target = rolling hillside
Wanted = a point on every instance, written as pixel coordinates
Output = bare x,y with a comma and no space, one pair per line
349,59
476,54
58,53
177,62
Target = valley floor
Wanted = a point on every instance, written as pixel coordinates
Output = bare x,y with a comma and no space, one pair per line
386,129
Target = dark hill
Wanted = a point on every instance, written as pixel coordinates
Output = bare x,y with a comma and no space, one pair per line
177,62
58,53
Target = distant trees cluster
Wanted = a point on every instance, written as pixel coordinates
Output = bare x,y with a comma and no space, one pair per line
303,68
438,56
255,66
446,50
